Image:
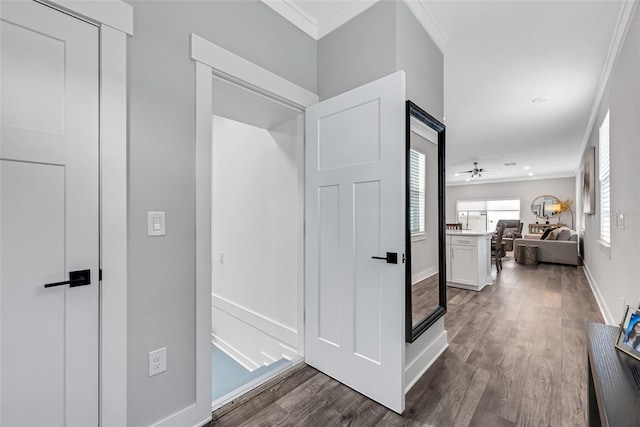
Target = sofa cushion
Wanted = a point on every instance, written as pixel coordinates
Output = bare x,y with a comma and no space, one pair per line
564,233
553,235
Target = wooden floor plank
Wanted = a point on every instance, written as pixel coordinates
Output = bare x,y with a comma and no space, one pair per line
517,356
540,403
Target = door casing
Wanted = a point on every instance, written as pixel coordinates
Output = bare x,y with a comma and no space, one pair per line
213,60
115,21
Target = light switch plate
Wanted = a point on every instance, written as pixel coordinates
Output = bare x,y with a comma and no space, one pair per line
156,224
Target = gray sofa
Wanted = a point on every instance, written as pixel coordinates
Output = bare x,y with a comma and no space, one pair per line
556,251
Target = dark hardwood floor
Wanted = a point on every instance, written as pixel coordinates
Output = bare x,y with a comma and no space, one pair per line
516,357
424,298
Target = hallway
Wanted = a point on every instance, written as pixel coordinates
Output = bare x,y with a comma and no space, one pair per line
517,357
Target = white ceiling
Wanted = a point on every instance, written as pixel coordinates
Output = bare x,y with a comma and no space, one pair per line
499,56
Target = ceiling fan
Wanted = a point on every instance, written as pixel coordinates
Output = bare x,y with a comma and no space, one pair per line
476,171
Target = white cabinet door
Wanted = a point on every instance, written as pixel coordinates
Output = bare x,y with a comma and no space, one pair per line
48,217
464,264
354,304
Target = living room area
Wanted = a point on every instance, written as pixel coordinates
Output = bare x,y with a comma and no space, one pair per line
484,207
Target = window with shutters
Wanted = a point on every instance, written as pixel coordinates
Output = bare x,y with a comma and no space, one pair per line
605,188
417,192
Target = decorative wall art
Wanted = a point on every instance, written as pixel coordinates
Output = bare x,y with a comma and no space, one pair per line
588,181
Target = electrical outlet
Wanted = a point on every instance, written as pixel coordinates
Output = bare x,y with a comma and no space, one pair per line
221,257
157,361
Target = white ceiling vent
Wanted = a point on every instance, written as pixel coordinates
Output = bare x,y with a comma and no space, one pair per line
511,164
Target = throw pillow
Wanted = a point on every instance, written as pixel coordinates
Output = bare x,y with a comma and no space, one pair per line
546,234
574,237
564,233
554,234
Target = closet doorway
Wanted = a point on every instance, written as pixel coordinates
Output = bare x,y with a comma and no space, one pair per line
257,238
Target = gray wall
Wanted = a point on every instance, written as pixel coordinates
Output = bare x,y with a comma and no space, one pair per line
615,272
161,283
360,51
423,62
526,191
383,39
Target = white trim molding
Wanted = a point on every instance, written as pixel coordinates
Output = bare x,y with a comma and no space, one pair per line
419,128
113,160
604,310
417,364
268,326
428,22
348,9
115,20
112,13
213,60
239,70
424,274
620,31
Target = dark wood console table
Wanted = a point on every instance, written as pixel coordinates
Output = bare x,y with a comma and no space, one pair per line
614,380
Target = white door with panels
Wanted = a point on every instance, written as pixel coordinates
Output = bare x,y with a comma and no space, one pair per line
355,228
49,217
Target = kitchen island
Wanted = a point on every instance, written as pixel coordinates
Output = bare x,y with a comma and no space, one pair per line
469,259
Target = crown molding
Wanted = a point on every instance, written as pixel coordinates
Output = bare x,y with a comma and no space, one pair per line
293,13
506,180
428,22
344,15
619,34
296,15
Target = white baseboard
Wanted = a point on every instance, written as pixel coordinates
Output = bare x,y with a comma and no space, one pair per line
604,310
421,275
418,366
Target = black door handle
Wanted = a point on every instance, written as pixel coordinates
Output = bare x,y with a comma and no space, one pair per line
76,278
391,258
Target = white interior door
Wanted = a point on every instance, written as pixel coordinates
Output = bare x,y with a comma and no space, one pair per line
48,217
355,209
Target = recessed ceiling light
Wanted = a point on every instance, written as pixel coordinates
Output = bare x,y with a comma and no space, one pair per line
526,168
468,179
540,99
457,174
530,173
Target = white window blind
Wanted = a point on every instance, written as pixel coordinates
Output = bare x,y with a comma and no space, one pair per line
605,193
416,191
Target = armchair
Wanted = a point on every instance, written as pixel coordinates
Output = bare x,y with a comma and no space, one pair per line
512,231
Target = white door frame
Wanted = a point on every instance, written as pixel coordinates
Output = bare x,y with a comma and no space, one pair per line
211,59
114,19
